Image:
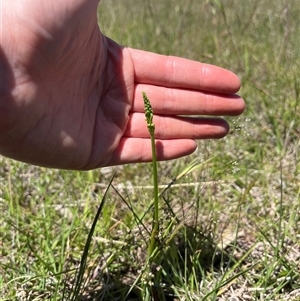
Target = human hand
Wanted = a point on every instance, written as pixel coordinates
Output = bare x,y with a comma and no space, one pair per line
72,98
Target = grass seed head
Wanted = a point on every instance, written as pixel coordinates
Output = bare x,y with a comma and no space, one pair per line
148,113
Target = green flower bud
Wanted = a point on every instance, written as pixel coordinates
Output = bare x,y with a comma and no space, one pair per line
148,114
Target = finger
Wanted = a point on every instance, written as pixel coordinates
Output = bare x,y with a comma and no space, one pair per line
177,127
172,101
170,71
137,150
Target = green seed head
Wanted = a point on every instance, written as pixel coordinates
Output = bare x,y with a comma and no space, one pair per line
148,113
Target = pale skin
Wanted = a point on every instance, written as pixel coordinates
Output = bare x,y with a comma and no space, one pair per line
71,98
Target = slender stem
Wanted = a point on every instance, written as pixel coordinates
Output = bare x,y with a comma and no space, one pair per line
151,128
155,225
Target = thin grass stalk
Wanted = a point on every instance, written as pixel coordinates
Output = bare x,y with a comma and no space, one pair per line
79,277
155,225
151,128
150,292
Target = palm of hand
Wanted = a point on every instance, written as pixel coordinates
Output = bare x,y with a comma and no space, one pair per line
72,98
77,100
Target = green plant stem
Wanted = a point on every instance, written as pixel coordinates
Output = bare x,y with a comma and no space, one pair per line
151,129
155,225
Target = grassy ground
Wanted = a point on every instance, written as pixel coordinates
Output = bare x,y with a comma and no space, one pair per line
234,232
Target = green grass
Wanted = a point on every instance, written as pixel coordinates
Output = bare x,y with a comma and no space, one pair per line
230,227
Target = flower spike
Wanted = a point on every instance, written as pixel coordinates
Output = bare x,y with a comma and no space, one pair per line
148,114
